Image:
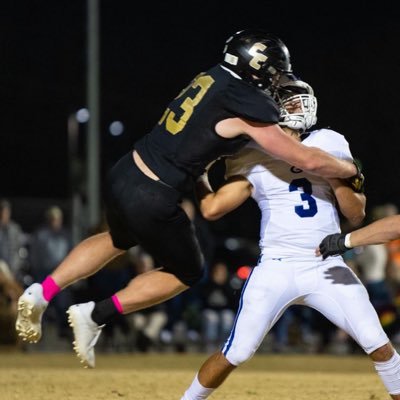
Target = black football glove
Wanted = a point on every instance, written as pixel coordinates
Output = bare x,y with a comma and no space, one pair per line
333,245
357,182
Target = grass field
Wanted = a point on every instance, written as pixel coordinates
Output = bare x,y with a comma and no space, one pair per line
59,376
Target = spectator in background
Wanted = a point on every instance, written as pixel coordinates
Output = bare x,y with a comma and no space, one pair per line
203,232
294,331
113,276
50,244
12,240
220,304
373,263
393,248
10,290
147,322
372,252
184,321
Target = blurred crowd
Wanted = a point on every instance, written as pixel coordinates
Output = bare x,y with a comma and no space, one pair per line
199,319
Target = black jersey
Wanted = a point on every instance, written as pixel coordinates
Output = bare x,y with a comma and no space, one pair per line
184,141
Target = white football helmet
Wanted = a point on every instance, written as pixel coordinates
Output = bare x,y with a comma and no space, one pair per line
298,105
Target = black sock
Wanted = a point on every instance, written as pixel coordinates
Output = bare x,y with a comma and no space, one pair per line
104,311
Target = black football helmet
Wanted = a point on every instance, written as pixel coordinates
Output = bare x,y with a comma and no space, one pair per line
258,57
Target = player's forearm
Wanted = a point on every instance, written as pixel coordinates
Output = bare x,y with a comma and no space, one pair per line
206,199
210,208
208,203
381,231
214,205
319,162
351,204
310,159
354,212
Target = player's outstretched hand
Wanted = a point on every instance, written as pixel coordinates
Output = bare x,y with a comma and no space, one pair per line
332,245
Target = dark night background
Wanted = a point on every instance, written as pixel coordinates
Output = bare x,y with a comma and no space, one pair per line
349,54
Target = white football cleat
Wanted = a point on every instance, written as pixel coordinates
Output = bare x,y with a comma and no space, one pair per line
86,332
31,306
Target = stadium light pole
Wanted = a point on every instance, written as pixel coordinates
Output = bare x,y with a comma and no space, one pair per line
93,90
76,172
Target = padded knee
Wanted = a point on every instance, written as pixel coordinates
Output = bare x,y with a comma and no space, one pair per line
237,355
372,337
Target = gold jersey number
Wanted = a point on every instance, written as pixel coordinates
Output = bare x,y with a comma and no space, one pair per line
175,124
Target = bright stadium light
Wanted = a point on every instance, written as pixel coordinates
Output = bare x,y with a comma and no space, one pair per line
82,115
116,128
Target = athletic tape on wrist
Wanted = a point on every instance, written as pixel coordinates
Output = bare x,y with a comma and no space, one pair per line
347,241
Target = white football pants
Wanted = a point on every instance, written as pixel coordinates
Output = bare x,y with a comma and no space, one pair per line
329,286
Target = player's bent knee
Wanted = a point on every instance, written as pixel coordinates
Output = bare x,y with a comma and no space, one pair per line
372,338
237,356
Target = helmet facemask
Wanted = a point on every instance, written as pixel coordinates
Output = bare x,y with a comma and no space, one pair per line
298,105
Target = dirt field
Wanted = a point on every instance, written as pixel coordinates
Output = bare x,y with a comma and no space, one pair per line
59,376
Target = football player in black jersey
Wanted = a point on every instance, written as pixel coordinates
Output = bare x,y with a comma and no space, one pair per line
215,115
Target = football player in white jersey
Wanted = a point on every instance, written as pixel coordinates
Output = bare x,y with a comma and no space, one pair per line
298,211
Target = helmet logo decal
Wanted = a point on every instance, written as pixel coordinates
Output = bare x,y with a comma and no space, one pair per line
231,59
257,56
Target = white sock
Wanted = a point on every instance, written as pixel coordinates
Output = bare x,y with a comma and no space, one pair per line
196,391
389,372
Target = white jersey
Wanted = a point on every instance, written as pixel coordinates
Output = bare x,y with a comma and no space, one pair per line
298,209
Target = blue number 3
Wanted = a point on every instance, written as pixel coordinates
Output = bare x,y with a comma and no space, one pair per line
306,196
